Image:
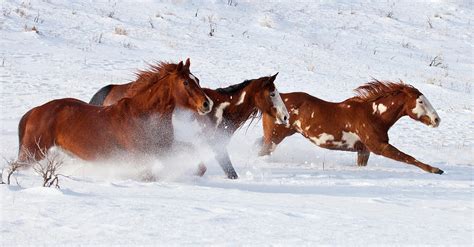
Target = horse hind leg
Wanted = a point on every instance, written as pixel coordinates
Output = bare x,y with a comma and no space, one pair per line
362,157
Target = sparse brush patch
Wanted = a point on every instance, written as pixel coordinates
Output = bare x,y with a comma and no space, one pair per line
128,45
151,22
212,29
6,12
31,29
98,38
48,169
232,3
120,31
12,167
429,23
20,12
436,61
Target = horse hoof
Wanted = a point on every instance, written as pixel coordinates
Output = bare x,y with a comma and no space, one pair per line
438,171
232,176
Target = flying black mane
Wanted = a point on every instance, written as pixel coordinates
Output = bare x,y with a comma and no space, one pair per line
233,88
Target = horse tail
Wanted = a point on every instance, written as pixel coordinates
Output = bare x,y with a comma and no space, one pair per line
99,97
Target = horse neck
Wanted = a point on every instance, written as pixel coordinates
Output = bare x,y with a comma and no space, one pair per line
244,107
389,109
239,107
157,99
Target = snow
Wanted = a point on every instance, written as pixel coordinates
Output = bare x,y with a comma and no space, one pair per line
302,194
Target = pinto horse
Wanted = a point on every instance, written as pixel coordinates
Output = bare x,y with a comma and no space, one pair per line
95,132
359,124
234,105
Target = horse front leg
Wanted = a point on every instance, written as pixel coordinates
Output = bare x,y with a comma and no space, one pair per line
223,159
389,151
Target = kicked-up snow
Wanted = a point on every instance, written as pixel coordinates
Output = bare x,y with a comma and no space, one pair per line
302,194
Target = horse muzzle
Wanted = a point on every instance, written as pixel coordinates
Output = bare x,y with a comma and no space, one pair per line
435,122
206,107
282,119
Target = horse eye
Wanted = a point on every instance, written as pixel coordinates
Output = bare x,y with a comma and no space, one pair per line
421,102
272,94
186,82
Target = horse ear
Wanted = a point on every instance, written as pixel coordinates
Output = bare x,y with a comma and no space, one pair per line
180,66
188,63
271,79
274,76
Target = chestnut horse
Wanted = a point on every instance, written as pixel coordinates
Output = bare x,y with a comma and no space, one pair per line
359,124
139,125
234,105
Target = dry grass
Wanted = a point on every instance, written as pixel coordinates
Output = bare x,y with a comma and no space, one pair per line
120,31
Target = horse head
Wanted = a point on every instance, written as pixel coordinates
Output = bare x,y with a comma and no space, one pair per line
269,101
419,108
186,89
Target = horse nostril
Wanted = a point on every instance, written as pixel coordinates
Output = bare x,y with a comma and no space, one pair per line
285,118
205,104
436,120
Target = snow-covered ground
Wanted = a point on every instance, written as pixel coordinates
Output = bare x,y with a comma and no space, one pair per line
302,194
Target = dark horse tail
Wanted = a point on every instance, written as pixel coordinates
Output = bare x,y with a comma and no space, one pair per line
99,97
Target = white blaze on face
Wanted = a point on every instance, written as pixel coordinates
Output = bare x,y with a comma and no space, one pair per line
220,112
423,107
193,78
282,112
241,99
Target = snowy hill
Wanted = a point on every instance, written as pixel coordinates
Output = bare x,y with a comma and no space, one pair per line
302,194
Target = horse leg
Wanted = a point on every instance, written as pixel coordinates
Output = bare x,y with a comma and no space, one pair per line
223,159
363,156
273,134
389,151
187,147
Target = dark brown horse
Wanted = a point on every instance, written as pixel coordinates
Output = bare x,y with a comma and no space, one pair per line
358,124
139,125
233,106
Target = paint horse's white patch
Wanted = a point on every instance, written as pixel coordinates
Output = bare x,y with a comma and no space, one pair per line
380,108
297,125
241,99
423,107
282,112
348,140
295,111
312,114
219,112
321,139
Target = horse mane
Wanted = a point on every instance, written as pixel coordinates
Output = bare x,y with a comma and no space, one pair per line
233,88
376,89
148,77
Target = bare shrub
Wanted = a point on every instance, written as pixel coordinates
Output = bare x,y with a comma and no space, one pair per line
48,168
429,23
120,31
20,12
12,167
436,61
